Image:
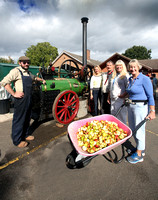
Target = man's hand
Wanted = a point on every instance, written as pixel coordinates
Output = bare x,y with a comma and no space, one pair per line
44,82
14,94
18,95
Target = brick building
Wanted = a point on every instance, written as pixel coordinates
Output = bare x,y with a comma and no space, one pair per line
149,66
64,56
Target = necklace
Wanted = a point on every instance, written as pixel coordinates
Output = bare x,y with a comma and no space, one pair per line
117,76
131,83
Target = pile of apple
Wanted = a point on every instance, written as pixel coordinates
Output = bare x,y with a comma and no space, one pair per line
96,135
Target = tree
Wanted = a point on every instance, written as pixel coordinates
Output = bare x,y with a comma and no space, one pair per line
7,60
138,52
41,54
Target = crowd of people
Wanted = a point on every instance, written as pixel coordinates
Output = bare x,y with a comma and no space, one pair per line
108,90
117,84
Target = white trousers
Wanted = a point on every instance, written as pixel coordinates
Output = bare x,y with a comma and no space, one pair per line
136,114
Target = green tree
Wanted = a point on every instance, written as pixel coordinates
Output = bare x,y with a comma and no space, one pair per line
138,52
7,60
41,54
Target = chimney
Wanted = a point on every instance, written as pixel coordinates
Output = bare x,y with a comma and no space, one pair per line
88,54
84,21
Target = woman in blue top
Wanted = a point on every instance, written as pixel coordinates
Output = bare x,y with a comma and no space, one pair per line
141,93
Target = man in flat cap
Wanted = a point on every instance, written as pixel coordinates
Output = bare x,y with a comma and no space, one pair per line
22,79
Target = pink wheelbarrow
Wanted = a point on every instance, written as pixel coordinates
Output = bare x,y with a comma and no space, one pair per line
79,158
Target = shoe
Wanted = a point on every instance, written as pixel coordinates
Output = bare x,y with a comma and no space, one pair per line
134,158
22,144
30,137
131,151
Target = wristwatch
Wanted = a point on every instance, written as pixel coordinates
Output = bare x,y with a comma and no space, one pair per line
152,110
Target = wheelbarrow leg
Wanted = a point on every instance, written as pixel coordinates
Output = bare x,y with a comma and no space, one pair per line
115,160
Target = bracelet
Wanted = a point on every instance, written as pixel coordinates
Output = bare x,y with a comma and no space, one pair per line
152,110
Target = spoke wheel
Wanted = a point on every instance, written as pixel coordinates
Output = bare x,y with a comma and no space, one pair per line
65,106
70,69
86,73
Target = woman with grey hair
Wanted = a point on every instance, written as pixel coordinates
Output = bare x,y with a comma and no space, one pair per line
141,94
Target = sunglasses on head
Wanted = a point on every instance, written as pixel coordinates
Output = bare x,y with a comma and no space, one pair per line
24,62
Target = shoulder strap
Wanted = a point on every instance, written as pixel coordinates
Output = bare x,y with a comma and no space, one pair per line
20,71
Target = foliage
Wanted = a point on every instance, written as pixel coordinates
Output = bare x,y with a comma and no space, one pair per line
138,52
7,60
41,54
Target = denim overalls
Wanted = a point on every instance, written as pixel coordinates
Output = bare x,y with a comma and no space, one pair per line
22,112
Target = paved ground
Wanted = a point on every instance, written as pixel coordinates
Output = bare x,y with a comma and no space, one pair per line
6,117
39,172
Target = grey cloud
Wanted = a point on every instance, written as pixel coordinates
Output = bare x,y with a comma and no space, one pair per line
140,14
113,25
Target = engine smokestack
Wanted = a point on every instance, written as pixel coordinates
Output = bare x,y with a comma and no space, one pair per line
84,21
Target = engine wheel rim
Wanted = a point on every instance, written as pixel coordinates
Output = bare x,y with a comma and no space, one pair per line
66,107
70,71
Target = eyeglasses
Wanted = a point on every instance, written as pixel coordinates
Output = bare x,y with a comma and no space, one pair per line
24,62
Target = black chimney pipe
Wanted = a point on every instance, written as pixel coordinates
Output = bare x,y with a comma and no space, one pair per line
84,20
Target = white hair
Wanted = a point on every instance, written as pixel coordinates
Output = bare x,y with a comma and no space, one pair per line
135,61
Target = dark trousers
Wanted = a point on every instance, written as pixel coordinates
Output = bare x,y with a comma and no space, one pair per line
105,106
96,97
21,120
22,112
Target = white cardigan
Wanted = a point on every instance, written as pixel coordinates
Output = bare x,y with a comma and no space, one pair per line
95,82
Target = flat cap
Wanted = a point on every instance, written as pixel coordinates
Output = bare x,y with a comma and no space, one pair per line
24,58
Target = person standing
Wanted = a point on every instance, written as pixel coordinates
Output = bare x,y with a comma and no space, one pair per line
140,92
154,81
95,88
22,79
118,84
105,106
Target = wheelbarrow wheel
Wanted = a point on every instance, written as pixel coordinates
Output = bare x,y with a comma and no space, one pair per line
71,161
65,106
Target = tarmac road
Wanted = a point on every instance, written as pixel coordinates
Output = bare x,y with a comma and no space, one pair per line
39,172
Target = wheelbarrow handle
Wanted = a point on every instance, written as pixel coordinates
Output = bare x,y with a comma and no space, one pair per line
140,124
119,110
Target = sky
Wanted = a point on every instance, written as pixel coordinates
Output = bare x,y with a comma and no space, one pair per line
113,26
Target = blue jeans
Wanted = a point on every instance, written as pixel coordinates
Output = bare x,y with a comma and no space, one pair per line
105,106
136,114
96,97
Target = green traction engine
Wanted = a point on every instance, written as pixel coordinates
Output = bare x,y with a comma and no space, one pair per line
60,96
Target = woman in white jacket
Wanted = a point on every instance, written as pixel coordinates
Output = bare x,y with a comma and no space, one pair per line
118,85
95,88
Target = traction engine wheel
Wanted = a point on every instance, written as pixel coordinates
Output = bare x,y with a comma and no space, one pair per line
65,106
72,69
86,73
